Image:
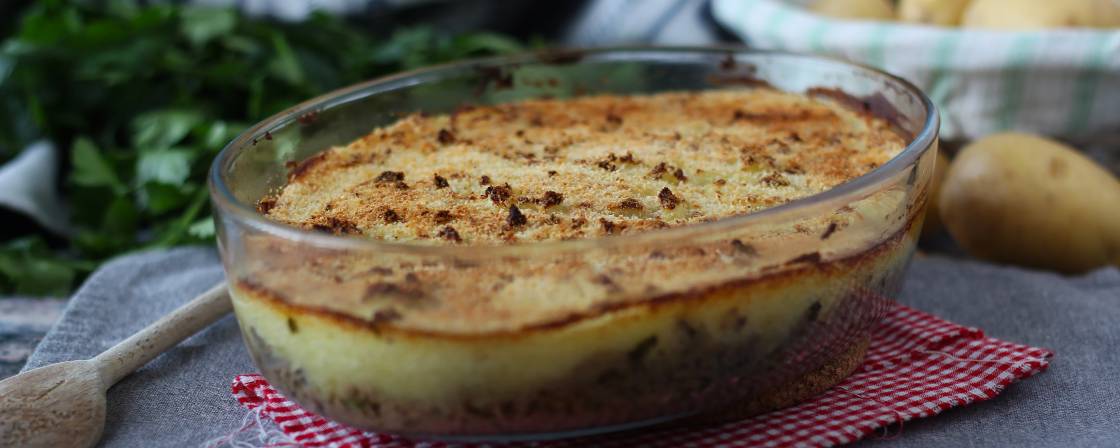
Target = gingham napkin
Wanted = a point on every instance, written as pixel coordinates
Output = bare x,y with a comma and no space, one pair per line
917,366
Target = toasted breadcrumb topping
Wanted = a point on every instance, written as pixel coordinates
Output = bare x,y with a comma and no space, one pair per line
555,169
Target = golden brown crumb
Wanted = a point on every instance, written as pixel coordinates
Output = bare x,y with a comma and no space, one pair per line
628,163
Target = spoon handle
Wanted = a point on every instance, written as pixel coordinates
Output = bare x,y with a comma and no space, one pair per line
132,353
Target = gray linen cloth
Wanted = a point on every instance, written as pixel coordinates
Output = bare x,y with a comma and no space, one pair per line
182,398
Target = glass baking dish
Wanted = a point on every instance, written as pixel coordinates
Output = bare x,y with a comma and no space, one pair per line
710,321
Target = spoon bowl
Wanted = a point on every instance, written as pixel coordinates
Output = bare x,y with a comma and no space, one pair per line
56,405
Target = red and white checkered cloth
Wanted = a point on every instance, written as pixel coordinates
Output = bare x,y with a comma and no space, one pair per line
917,366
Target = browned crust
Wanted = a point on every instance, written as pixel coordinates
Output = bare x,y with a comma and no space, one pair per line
803,265
613,159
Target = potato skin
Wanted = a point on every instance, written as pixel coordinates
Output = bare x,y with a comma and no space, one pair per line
855,9
1041,14
932,12
1027,200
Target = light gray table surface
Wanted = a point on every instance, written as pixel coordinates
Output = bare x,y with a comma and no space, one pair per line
182,398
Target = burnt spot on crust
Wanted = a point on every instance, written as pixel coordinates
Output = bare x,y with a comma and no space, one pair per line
516,218
829,231
445,137
293,327
337,226
668,199
679,174
450,234
775,180
551,198
614,119
484,180
443,217
611,161
389,177
266,204
609,227
551,173
440,182
628,204
661,169
390,216
498,194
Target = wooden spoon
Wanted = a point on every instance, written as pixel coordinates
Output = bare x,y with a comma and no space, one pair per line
64,404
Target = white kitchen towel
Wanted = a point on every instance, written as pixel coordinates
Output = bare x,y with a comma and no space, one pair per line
1064,83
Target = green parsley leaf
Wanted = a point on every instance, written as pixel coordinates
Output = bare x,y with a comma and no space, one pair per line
201,24
167,166
161,129
91,169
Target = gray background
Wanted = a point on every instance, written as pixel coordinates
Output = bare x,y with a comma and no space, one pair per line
182,398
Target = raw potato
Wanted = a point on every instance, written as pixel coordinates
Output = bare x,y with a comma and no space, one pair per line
855,9
933,224
1031,201
1041,14
933,12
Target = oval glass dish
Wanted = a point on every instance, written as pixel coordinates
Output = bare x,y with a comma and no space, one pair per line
711,321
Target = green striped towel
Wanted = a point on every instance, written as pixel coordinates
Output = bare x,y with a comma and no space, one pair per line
1063,83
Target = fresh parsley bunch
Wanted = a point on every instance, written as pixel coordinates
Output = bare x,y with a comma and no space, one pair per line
143,97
